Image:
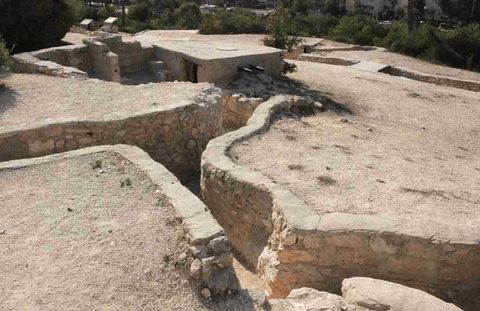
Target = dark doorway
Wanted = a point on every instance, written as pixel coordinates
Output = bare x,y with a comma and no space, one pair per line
191,71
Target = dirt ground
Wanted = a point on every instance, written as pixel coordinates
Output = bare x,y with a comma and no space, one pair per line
397,147
32,98
74,238
399,60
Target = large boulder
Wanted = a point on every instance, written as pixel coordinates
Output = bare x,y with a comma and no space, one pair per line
382,295
308,299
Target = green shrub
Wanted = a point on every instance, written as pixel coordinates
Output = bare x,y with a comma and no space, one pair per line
190,16
220,22
314,26
5,59
281,36
140,12
358,29
35,24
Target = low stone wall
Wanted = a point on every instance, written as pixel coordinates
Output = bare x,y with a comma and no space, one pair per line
238,109
27,63
327,60
130,54
433,79
295,54
174,135
292,247
210,246
75,56
105,64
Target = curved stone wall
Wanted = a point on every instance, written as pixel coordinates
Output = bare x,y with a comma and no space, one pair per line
292,247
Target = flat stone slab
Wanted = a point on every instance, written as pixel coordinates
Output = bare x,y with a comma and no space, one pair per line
376,294
84,24
369,66
217,50
109,21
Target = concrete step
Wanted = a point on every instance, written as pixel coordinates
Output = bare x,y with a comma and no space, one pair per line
156,65
369,66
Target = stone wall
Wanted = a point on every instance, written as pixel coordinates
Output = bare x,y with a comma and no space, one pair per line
27,63
104,63
433,79
174,136
292,247
238,109
129,53
76,56
315,58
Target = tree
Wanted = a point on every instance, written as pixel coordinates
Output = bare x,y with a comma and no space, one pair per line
5,59
34,24
190,15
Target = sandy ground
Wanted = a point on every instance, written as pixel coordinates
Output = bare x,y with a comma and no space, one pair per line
400,60
75,239
29,99
407,148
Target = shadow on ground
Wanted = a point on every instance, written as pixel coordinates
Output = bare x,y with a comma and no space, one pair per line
9,98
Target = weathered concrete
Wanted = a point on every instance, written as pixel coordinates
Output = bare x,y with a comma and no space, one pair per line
203,231
292,247
369,66
216,61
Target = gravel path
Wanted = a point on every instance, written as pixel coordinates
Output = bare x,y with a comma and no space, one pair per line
29,99
408,148
400,60
75,239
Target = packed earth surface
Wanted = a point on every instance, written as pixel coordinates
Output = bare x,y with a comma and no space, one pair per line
398,148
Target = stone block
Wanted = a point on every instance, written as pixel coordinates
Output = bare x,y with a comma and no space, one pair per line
295,256
348,241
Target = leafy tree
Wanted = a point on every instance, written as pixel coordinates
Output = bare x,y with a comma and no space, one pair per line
281,37
190,15
35,24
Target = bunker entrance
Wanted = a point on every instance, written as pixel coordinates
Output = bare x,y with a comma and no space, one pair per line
191,71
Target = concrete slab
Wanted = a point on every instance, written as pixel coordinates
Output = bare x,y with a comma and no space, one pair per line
216,50
110,21
84,24
369,66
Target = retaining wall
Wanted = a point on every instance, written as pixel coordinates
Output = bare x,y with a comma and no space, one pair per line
433,79
174,135
76,56
237,109
292,247
327,60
